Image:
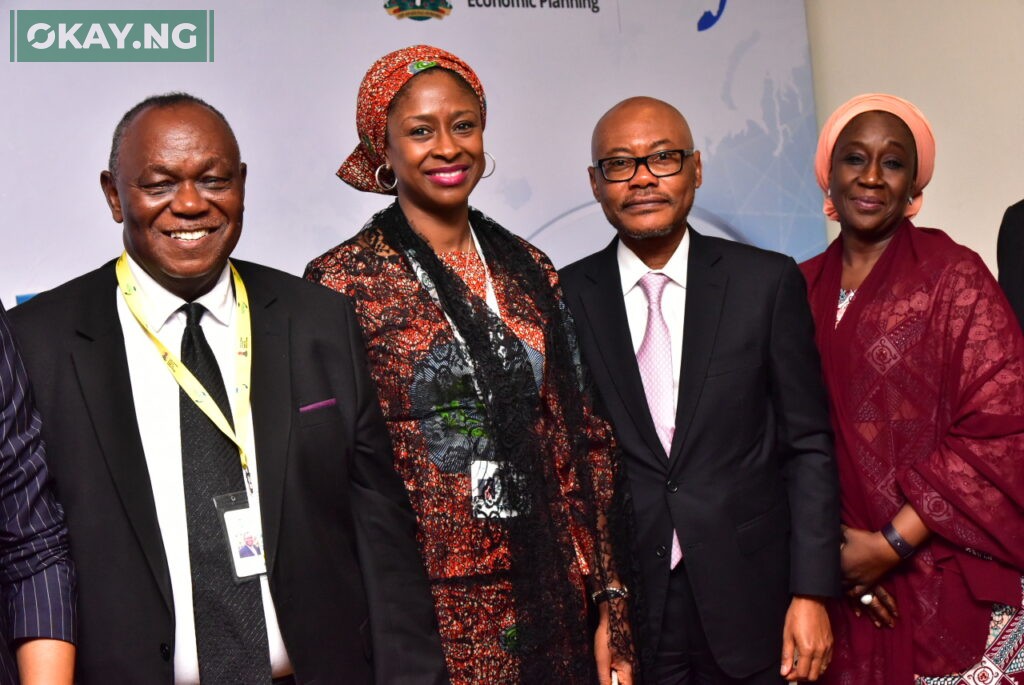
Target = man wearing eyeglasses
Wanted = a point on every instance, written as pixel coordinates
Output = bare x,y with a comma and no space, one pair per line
703,356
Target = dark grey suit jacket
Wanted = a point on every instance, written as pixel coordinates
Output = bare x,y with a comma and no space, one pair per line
339,534
750,484
37,579
1010,258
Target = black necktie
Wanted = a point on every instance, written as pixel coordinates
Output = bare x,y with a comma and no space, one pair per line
231,631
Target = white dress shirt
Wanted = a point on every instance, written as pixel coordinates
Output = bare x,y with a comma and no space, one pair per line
673,301
158,413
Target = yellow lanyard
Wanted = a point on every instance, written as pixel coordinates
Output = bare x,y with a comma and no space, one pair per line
134,298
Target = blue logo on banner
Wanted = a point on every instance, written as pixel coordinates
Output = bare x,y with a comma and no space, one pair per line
418,10
709,18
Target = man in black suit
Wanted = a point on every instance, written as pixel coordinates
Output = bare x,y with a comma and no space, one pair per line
160,469
1010,258
703,356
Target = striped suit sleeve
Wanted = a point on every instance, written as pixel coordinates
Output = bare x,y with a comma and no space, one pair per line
37,579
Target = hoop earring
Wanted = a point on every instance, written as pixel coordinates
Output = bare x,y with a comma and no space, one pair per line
382,186
494,165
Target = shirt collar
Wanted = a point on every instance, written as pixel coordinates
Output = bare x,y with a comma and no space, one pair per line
159,305
632,268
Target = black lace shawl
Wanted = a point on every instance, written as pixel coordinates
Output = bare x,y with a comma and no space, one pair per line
549,609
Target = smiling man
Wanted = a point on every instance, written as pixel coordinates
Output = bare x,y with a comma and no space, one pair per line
192,400
703,355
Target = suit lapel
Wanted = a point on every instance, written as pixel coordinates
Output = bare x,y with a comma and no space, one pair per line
606,313
271,402
101,367
705,292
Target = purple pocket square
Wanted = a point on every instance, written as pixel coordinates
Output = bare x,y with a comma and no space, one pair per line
322,404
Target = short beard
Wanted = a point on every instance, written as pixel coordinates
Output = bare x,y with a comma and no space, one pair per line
648,235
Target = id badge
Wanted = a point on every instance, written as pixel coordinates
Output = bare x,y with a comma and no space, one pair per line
487,495
243,535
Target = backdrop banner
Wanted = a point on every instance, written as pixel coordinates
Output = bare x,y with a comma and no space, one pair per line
286,75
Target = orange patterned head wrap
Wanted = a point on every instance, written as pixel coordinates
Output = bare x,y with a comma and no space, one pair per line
877,102
379,87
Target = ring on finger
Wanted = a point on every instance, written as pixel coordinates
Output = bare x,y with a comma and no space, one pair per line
867,598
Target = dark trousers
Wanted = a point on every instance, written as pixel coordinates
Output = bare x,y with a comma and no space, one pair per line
684,657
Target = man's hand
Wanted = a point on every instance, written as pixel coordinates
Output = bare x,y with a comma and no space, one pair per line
806,640
608,659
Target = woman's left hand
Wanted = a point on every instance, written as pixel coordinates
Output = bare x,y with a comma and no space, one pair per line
608,658
882,609
866,557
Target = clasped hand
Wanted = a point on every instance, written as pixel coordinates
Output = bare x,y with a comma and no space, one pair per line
866,558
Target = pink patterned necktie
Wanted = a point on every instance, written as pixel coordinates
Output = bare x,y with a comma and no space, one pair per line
655,361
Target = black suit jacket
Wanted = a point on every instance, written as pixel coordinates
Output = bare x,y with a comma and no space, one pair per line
339,534
750,485
1010,258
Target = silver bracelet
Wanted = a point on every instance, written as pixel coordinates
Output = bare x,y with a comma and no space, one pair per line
610,592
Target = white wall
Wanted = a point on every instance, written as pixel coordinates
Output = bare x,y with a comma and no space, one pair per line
962,63
286,76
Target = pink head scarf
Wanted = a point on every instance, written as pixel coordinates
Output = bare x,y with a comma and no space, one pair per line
877,102
379,87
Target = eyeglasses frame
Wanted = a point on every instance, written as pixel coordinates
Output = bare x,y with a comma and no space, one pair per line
637,161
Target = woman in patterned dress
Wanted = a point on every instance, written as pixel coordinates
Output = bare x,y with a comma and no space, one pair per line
923,361
475,360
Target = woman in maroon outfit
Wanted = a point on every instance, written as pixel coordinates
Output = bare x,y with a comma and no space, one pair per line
923,363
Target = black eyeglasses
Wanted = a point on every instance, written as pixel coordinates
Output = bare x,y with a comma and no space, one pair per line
662,163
